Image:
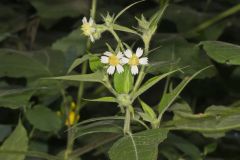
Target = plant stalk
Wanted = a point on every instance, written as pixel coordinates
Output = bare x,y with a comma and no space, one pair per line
71,132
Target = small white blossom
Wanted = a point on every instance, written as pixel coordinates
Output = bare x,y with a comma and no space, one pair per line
88,28
134,59
114,62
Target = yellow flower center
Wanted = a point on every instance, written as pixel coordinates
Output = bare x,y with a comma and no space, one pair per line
87,29
113,60
134,60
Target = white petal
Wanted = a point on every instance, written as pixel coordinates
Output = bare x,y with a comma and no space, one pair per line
134,70
124,60
119,55
119,68
91,21
128,53
143,60
91,38
104,59
139,52
107,53
111,70
84,20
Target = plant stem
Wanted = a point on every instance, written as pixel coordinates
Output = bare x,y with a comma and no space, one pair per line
71,132
117,38
215,19
127,122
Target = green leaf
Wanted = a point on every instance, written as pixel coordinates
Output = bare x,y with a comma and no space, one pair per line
150,83
139,146
15,98
44,119
147,109
73,42
103,99
154,20
124,29
222,52
123,82
185,146
211,147
213,123
168,98
19,64
93,77
56,9
174,53
178,13
17,141
95,63
125,9
98,127
79,61
32,65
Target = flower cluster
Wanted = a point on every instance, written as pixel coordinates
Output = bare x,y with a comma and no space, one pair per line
88,28
71,117
116,61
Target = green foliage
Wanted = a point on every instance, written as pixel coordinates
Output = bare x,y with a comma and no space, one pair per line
49,52
17,141
222,52
40,116
123,82
139,146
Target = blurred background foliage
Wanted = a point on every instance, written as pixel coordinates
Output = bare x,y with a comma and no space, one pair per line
41,38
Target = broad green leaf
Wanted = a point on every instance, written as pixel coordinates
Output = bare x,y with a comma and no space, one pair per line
32,65
17,141
222,52
95,63
150,83
93,77
168,98
52,11
139,146
19,64
147,109
178,14
74,42
15,98
123,82
79,61
44,119
175,52
103,99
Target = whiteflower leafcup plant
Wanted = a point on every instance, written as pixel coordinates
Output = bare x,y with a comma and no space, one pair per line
120,73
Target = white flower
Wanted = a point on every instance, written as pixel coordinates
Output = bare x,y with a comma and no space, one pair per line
88,28
114,61
134,59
